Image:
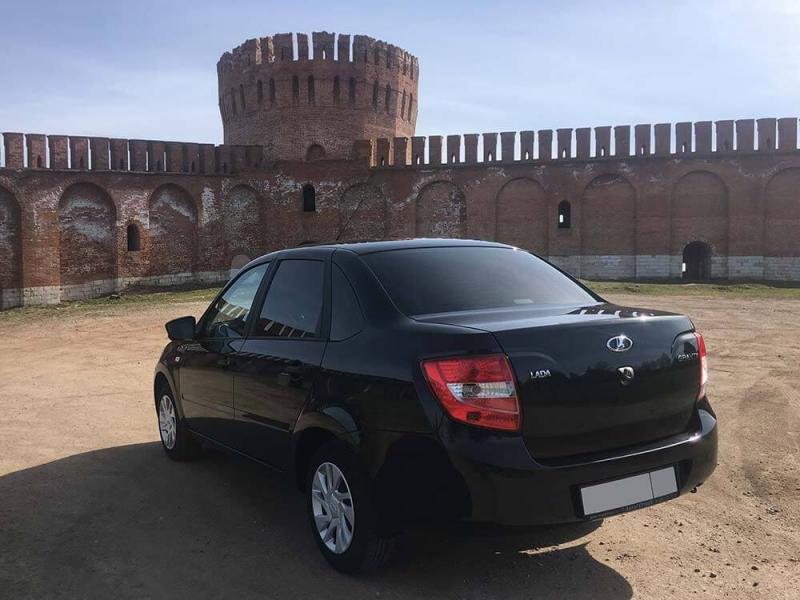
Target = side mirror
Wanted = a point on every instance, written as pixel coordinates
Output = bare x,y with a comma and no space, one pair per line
181,329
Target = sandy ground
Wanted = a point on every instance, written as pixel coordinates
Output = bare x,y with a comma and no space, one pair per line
91,508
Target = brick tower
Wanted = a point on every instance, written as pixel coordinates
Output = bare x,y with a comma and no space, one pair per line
303,103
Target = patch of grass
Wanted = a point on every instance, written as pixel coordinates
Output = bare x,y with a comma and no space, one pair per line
719,289
138,297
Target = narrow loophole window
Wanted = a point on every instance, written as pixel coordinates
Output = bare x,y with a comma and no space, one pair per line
309,198
134,238
564,215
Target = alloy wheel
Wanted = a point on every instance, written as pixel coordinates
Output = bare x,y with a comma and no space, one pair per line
332,505
167,423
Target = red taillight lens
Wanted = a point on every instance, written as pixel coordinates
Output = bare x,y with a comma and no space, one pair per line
476,390
701,350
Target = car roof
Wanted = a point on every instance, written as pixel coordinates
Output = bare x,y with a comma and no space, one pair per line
370,247
362,248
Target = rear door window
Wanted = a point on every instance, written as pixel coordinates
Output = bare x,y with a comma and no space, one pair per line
293,305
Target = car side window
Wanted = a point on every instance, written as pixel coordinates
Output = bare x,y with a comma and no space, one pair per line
229,314
346,317
293,306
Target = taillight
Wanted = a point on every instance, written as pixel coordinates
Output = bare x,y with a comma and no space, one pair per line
476,390
701,350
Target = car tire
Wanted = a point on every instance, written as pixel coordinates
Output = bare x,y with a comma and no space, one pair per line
176,439
344,520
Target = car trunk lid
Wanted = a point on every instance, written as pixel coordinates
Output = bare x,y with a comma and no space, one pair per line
581,389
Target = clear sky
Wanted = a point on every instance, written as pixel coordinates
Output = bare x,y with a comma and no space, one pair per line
147,68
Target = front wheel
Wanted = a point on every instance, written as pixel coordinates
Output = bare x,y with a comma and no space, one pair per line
176,440
343,517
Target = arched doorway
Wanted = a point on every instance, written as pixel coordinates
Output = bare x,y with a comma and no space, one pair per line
697,261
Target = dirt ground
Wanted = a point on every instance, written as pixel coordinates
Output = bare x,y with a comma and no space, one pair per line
90,507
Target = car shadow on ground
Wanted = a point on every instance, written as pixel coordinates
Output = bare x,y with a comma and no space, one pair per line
126,522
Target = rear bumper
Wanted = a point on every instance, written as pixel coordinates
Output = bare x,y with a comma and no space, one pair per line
506,486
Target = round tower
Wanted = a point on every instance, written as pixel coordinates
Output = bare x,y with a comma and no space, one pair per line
302,105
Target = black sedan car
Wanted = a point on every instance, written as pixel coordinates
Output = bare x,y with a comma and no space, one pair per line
408,381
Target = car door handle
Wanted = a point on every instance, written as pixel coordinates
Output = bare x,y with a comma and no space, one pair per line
290,374
294,367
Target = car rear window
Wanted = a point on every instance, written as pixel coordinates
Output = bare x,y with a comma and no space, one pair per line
425,281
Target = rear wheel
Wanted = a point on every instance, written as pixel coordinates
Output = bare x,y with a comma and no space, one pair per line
176,440
342,513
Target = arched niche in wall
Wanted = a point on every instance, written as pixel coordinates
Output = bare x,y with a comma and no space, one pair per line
241,221
10,250
608,217
441,211
700,212
362,213
172,234
522,215
87,236
782,214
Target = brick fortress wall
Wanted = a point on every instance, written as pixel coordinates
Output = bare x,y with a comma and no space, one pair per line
81,217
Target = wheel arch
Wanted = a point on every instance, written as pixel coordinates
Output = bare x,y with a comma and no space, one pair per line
164,377
314,430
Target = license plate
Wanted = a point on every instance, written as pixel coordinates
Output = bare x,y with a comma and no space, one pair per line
629,493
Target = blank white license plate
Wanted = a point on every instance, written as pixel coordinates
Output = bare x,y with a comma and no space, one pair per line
629,493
